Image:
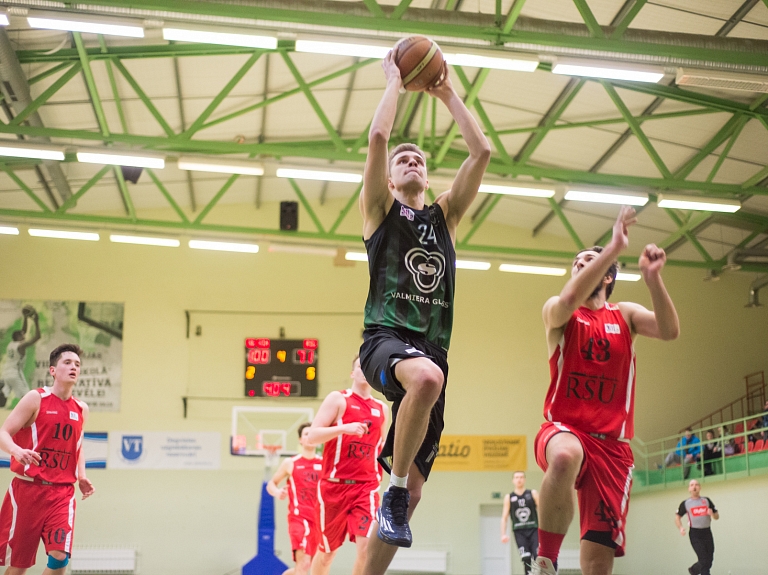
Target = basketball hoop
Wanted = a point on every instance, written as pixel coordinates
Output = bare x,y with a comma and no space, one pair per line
271,456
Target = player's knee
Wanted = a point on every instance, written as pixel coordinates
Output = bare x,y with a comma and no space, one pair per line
565,460
427,381
57,560
324,559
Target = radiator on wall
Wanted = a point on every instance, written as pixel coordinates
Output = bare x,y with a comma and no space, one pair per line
103,561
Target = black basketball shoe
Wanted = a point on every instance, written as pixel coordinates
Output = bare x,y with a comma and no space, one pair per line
393,517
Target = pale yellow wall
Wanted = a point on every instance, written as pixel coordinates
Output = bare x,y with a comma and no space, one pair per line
204,522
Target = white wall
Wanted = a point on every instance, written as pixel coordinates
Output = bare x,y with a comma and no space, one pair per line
203,523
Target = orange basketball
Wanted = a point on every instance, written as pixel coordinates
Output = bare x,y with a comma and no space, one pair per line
420,62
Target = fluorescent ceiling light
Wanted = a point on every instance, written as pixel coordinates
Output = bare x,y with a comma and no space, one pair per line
64,235
38,152
472,265
607,198
223,246
625,277
9,231
703,204
538,270
342,49
492,62
321,175
299,249
356,256
517,191
144,241
4,20
89,27
722,80
608,70
122,159
222,38
222,166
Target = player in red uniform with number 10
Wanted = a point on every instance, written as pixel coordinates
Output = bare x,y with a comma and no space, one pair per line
44,435
590,403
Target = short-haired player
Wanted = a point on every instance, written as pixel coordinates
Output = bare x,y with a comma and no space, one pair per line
349,424
301,473
521,507
44,434
12,378
589,406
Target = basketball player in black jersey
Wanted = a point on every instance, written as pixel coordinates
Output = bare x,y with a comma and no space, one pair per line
522,507
409,312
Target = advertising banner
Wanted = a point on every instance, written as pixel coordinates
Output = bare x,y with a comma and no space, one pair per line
481,453
164,450
94,450
30,330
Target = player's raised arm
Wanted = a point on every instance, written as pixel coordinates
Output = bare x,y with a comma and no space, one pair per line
456,202
375,198
662,322
558,310
22,415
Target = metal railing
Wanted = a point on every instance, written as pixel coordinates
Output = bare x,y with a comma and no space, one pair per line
751,456
750,403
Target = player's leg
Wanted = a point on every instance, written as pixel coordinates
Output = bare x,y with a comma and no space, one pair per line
522,538
58,530
321,563
21,525
380,554
563,458
596,559
303,563
361,521
332,510
362,553
57,563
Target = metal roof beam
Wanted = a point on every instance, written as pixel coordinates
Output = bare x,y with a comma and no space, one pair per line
589,19
46,95
72,201
26,189
176,208
307,206
512,16
183,118
624,18
143,97
688,235
469,101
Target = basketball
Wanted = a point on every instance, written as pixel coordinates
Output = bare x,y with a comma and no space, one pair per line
420,62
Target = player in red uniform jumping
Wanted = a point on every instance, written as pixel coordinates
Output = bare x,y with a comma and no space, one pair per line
302,473
44,434
590,403
349,423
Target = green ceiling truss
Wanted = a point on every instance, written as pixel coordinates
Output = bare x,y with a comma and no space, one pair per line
66,64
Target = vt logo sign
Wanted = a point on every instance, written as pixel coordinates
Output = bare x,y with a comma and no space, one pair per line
132,447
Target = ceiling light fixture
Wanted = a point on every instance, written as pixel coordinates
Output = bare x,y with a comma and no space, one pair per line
356,256
223,246
342,49
472,265
321,175
607,198
537,270
37,152
220,38
4,20
607,70
145,241
221,166
64,235
702,204
87,27
121,159
721,80
492,62
517,191
627,277
9,231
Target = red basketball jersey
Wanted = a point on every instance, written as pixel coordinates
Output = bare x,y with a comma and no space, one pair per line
302,486
56,435
592,372
350,456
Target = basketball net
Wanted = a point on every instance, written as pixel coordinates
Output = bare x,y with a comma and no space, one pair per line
271,457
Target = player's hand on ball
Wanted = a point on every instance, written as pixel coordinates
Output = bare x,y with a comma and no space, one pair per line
356,428
652,260
391,71
444,88
26,456
627,217
86,487
28,311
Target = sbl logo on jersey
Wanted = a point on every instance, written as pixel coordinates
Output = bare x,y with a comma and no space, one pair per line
612,328
407,212
74,416
132,446
427,268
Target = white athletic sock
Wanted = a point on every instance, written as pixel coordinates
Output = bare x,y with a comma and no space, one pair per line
396,481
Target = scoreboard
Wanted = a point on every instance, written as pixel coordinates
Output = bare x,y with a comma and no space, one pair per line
280,367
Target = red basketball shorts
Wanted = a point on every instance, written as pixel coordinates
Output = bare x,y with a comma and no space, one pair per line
603,483
345,509
304,534
31,512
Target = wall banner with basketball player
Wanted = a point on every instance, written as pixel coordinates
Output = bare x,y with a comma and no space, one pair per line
164,450
31,329
481,453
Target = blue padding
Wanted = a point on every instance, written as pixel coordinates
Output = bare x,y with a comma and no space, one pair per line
54,563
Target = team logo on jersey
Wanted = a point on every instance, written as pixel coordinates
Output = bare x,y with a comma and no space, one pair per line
317,466
74,416
522,514
427,268
612,328
407,212
132,446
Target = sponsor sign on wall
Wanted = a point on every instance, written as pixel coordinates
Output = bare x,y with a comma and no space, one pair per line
31,329
481,453
164,450
94,450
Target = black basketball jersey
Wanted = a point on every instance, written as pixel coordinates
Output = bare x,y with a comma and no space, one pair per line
412,264
522,510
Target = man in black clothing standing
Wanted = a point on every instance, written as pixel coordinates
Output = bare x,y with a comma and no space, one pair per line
700,511
521,506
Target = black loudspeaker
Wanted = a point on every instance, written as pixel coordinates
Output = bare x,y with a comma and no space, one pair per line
131,174
289,216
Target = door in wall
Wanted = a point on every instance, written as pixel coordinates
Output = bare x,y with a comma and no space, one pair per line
496,556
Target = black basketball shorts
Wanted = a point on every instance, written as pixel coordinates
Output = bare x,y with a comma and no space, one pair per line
382,347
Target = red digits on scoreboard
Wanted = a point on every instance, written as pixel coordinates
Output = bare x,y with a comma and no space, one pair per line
259,356
277,388
305,356
310,343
